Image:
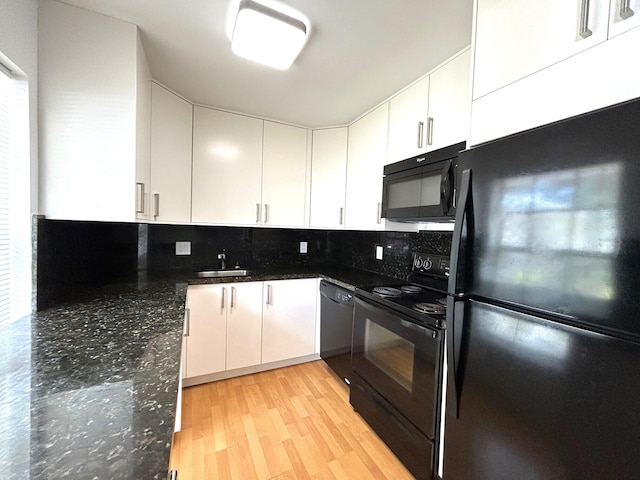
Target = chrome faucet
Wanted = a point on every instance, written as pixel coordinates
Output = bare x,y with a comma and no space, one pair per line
223,259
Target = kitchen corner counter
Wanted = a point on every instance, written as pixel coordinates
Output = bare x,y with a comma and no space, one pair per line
88,389
348,278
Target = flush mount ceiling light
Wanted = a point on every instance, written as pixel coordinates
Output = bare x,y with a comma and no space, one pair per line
267,36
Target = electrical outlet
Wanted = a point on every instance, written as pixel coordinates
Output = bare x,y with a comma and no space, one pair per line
183,248
303,247
378,252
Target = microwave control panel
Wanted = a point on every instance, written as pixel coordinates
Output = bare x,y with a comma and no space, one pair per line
426,264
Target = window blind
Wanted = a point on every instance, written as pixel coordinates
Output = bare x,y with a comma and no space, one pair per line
15,223
5,254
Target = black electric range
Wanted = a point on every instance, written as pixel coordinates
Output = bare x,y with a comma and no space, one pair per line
423,298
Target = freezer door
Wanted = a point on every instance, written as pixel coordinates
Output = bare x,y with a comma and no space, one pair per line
555,220
540,400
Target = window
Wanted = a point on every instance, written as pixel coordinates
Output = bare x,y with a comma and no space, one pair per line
15,223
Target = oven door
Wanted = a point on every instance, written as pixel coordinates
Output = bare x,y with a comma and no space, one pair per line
419,193
400,360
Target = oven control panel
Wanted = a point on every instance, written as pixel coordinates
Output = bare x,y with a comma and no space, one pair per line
427,264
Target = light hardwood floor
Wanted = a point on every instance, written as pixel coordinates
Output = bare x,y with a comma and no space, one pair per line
289,423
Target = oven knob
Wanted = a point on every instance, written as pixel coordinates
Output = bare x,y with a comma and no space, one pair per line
428,264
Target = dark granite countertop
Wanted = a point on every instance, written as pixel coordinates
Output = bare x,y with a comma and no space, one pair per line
88,389
345,277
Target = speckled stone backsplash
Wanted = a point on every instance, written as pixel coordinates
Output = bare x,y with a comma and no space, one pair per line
75,255
357,249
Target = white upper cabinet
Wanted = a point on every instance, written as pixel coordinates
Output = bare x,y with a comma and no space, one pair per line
170,189
366,157
516,38
624,15
143,133
409,122
227,167
88,72
432,113
564,84
284,169
328,177
449,102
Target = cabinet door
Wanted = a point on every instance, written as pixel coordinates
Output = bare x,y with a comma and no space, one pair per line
518,37
624,15
561,91
408,122
244,324
143,133
328,177
449,103
284,176
289,319
227,167
206,335
171,122
366,156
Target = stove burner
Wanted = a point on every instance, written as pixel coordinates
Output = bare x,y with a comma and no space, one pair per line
433,308
410,288
442,301
387,291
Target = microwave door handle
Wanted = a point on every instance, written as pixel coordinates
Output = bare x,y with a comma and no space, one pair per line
446,185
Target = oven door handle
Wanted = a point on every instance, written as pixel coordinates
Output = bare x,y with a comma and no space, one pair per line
432,333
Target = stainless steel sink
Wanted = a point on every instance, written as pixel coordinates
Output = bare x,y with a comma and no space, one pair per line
224,273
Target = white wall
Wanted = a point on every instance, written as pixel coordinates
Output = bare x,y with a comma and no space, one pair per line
87,68
19,45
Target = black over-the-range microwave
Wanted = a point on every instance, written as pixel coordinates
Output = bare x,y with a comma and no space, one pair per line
422,188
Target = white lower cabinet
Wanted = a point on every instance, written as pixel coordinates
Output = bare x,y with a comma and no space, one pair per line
244,324
206,330
289,319
232,326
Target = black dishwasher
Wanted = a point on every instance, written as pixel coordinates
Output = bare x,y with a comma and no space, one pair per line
336,323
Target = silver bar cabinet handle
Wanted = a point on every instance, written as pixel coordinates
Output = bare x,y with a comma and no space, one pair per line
187,321
430,131
258,213
224,294
584,20
420,132
269,292
341,215
233,297
266,213
139,197
379,219
156,205
625,9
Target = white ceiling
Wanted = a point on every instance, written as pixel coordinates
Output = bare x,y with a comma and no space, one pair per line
359,53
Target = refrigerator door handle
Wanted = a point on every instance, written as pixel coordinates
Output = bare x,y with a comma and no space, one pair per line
458,231
453,332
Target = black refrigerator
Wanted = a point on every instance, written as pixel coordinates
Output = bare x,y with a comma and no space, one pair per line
543,315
